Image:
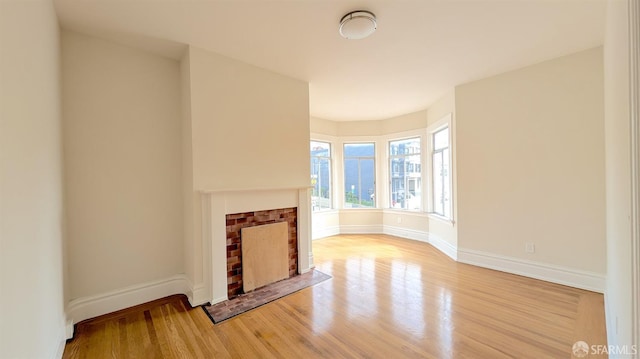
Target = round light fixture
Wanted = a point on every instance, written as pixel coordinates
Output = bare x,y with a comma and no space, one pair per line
358,24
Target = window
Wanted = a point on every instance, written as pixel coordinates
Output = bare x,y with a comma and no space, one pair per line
441,172
359,175
405,174
320,175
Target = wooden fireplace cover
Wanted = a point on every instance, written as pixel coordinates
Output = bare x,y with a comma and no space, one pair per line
265,255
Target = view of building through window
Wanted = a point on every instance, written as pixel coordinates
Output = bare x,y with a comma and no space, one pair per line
320,175
405,174
441,173
359,175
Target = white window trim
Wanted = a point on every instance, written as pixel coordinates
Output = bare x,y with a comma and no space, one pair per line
444,122
333,142
399,137
331,172
384,173
376,156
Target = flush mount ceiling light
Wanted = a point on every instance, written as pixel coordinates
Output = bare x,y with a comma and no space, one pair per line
358,24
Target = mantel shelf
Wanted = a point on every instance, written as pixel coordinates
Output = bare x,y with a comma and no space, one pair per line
263,189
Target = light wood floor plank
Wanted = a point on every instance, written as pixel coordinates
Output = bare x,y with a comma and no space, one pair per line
388,298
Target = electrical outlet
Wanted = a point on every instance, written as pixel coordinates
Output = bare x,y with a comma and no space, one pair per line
399,219
529,247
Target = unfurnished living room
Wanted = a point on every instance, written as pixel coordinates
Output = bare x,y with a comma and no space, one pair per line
319,179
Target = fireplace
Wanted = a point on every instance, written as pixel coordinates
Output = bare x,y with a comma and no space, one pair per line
234,224
225,213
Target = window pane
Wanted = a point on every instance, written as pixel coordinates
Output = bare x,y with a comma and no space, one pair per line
359,150
359,175
320,175
367,178
405,147
441,139
320,149
441,173
438,187
414,190
446,184
351,186
405,174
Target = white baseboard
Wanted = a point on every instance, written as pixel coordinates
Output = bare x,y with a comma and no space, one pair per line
198,295
610,321
440,244
547,272
219,300
311,261
325,232
361,229
444,246
543,271
68,329
96,305
62,341
406,233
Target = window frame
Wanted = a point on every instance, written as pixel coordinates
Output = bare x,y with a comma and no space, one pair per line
443,123
373,142
331,174
391,166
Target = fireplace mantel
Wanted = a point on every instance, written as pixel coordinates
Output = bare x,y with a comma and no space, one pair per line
256,189
216,204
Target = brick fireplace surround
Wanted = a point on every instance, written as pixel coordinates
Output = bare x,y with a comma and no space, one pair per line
235,222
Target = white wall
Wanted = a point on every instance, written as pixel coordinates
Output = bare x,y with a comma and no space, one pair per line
250,126
411,121
325,224
359,128
530,163
408,224
122,148
322,126
361,220
31,221
618,175
245,129
191,199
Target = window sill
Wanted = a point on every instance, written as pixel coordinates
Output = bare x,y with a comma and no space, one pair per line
325,211
440,218
408,212
360,209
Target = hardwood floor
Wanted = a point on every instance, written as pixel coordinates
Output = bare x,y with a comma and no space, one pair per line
388,298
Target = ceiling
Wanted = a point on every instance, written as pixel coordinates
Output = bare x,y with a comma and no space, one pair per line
421,49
